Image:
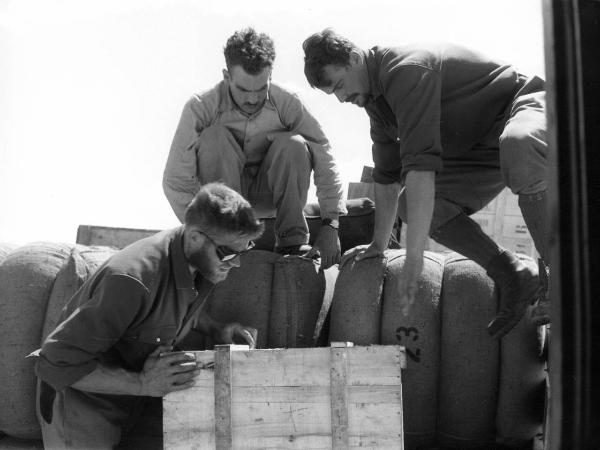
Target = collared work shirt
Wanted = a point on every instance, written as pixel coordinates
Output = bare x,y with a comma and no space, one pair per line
283,111
433,103
135,302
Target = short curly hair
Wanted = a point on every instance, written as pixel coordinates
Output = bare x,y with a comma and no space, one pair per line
322,49
251,50
218,208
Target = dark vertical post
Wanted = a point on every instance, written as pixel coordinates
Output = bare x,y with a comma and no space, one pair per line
572,34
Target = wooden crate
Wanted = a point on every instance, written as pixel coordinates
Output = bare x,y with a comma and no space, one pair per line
303,398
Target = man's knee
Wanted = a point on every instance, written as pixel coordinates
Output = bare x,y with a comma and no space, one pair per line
215,133
523,159
443,211
290,147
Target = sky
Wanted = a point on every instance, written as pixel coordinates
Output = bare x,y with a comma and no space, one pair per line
91,91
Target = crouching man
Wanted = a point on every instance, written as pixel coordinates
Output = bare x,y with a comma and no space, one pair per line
105,368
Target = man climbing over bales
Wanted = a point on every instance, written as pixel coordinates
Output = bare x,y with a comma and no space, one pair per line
261,140
450,129
105,367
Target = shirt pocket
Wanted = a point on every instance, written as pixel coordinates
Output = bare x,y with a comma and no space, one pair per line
156,335
135,347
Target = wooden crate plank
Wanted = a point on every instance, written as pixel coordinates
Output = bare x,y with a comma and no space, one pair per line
110,236
376,365
311,394
298,419
222,392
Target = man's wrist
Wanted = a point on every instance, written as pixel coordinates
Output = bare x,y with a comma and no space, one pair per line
378,246
329,222
140,385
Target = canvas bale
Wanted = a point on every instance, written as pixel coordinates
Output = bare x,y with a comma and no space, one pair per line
82,263
470,358
297,296
419,333
245,295
356,308
5,249
26,279
520,412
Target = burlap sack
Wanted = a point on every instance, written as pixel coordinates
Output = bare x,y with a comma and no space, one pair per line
26,279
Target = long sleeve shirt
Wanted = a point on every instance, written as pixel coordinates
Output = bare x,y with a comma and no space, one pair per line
283,111
433,103
133,303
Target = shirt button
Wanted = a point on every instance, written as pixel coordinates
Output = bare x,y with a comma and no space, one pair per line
157,339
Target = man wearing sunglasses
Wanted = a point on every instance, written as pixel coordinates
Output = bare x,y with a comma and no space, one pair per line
105,367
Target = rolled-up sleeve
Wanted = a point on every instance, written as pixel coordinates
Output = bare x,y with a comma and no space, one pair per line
386,156
414,95
74,348
180,179
326,173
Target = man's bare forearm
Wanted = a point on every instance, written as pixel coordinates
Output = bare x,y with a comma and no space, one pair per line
386,207
420,199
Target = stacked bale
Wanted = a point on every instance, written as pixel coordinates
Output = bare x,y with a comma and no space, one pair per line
245,295
356,308
5,249
419,332
26,279
36,281
366,311
82,263
461,388
297,295
521,391
278,295
470,360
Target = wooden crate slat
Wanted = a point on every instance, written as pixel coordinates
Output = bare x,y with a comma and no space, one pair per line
255,419
222,398
287,394
375,365
338,374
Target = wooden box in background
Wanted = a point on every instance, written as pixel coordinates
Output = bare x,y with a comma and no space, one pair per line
303,398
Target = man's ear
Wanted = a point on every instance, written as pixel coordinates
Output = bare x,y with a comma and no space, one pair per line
355,58
226,75
194,236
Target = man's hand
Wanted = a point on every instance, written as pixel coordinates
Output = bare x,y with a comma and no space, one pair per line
233,333
361,252
407,283
327,245
165,372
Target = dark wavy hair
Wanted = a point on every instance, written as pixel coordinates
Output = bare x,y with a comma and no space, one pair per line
322,49
251,50
218,208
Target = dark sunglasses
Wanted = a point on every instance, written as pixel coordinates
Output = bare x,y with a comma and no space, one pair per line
225,253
